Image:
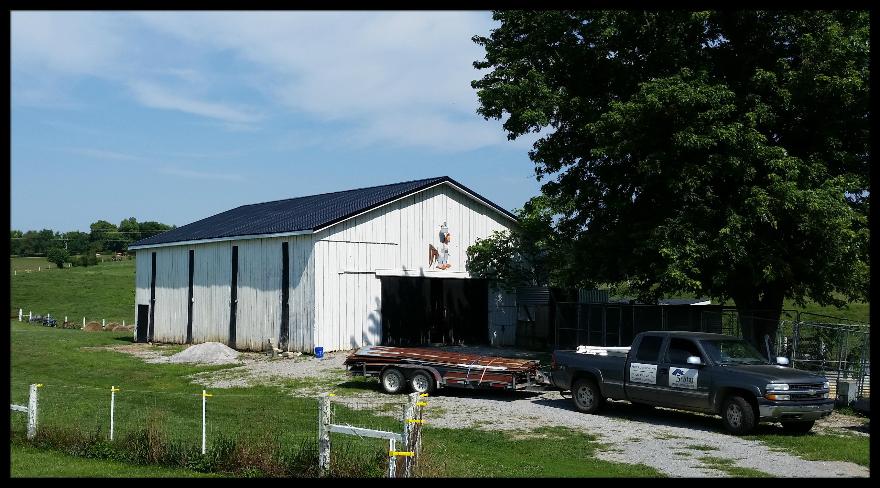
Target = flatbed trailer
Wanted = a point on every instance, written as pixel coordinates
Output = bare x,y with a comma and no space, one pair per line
424,370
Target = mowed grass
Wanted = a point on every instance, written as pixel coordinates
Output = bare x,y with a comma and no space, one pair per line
545,452
30,462
77,374
821,447
103,291
22,264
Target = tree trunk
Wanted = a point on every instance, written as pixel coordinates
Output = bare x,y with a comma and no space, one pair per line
759,317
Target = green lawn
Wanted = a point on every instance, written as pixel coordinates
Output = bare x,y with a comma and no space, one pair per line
104,291
821,447
29,462
77,375
21,264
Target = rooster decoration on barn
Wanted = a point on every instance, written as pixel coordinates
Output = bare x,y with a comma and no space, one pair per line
441,256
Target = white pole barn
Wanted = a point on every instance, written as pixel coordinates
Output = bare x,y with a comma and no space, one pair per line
309,272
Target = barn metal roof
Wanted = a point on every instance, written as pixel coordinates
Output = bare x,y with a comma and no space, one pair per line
301,214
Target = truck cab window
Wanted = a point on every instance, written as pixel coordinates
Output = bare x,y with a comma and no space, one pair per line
649,349
681,349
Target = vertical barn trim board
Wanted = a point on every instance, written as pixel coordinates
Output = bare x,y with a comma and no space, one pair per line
233,294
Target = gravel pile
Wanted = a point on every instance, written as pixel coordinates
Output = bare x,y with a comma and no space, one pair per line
206,353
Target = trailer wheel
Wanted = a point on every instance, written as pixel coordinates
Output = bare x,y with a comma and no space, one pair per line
422,382
586,395
392,380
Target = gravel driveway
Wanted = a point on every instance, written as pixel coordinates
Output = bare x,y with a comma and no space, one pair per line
668,440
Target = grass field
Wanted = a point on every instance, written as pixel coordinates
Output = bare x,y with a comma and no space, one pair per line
103,291
76,376
30,462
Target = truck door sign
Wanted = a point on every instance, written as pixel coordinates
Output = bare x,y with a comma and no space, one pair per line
683,378
643,373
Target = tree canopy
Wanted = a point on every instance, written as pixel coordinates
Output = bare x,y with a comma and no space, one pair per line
717,153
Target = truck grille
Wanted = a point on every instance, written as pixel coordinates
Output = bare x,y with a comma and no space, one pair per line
806,391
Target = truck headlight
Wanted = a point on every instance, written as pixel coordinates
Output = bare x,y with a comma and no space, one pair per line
826,385
775,397
777,387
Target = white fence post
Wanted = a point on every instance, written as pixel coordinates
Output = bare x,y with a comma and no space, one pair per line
65,319
113,391
323,435
84,322
392,459
409,416
103,323
32,411
205,396
30,315
19,315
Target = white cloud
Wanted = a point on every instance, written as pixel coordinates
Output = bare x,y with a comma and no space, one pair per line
400,78
67,42
153,95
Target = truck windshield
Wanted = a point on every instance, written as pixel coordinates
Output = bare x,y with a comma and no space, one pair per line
732,351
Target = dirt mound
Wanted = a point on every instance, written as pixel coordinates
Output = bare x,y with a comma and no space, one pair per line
207,353
119,327
113,325
93,327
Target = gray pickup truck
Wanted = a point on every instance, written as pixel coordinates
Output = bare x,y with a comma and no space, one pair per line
695,371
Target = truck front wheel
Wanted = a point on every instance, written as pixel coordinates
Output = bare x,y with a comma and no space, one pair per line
738,415
586,395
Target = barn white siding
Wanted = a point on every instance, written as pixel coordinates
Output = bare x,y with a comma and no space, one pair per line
302,293
142,278
172,288
212,275
348,293
258,315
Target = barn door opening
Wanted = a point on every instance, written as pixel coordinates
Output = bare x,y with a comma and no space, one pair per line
143,318
434,311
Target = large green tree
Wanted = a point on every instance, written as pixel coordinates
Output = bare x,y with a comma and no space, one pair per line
528,254
718,153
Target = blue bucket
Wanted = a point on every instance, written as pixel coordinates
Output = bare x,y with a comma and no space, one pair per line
319,352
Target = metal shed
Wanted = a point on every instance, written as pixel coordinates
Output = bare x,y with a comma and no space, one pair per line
308,272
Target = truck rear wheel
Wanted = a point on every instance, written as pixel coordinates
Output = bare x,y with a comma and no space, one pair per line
586,395
737,415
422,382
392,380
797,427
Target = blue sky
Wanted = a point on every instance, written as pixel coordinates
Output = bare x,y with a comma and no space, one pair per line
175,116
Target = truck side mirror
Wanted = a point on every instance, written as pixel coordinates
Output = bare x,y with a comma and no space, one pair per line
695,360
782,361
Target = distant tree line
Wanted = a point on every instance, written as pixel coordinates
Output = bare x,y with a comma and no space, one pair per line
102,237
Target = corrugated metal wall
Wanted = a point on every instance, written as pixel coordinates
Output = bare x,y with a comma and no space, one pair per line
348,294
212,274
172,285
258,314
